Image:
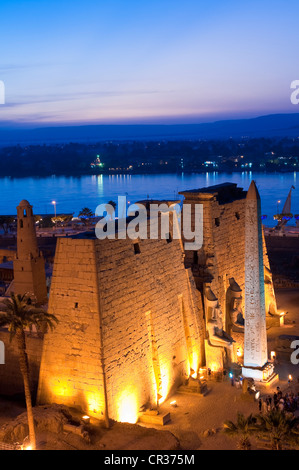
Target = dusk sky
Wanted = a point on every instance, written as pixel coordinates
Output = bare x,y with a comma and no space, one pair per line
157,61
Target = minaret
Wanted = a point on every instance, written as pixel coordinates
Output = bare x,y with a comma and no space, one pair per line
256,363
29,264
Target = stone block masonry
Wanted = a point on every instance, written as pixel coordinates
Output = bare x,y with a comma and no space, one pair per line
222,255
124,337
71,363
221,258
131,320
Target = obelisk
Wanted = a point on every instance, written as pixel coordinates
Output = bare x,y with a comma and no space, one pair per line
256,364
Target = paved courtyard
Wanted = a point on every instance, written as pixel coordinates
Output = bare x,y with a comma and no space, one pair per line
196,414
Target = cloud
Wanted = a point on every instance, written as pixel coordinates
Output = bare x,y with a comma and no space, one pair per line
74,96
13,67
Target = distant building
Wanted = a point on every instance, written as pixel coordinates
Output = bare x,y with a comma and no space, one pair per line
97,163
29,264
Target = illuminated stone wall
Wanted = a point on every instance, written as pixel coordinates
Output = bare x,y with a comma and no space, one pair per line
226,246
11,381
222,255
71,370
128,323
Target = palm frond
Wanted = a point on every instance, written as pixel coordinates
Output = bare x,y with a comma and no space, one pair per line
19,312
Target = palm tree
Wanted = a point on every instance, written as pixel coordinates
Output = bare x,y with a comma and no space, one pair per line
109,205
85,214
243,427
280,427
19,313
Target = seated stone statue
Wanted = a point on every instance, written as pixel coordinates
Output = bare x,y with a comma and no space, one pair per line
237,313
214,324
236,319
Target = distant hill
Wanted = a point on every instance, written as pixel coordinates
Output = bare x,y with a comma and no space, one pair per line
274,125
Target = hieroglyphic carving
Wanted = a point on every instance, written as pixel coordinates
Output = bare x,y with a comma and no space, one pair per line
255,347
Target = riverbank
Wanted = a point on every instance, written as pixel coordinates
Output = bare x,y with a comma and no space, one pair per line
71,194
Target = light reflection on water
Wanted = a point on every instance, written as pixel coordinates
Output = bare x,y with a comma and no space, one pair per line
74,193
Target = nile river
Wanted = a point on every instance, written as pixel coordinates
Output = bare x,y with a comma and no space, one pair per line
73,193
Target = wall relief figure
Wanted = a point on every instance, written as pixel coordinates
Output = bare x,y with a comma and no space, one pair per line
217,336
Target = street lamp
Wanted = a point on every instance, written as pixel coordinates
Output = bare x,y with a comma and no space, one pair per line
54,202
278,202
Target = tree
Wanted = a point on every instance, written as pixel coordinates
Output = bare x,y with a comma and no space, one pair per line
45,222
62,219
19,313
280,427
281,217
85,214
244,427
109,205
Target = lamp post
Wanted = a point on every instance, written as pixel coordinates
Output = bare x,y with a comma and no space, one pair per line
54,202
278,202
